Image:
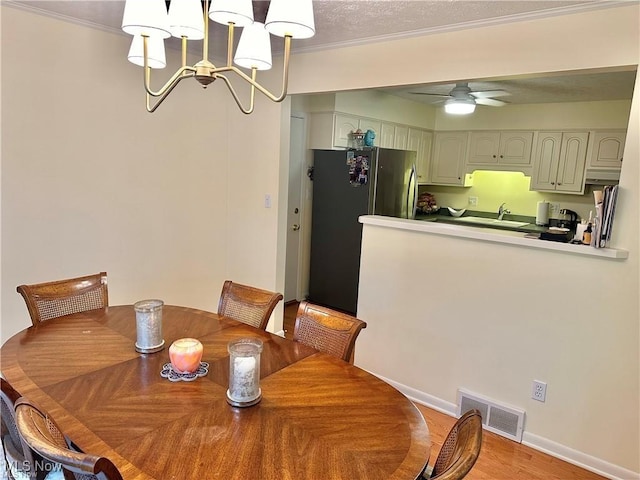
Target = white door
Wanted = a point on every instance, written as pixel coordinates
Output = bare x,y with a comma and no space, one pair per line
294,206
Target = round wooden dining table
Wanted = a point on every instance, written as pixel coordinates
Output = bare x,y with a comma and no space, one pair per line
319,417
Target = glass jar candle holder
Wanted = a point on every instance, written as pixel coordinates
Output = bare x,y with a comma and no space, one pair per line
149,326
244,372
185,355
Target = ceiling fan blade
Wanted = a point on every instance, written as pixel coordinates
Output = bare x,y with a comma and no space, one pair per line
431,94
490,93
491,102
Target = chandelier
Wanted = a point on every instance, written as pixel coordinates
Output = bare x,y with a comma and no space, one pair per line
150,23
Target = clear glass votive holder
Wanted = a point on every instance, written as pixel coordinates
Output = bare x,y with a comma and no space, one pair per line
244,372
149,326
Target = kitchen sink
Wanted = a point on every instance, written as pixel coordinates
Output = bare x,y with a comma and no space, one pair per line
492,221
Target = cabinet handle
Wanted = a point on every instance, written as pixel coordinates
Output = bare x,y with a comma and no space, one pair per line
501,156
559,183
494,156
621,160
553,183
459,178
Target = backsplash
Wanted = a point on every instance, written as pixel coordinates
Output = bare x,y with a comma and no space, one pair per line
512,188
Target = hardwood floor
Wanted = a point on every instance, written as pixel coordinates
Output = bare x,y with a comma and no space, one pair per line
500,458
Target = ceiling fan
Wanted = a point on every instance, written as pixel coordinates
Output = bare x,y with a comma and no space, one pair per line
462,100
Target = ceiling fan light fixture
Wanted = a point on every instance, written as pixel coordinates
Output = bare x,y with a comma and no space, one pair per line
460,106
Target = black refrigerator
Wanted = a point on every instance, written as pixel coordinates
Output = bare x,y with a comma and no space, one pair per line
346,185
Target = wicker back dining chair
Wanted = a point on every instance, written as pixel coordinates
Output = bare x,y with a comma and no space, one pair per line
20,460
246,304
40,432
460,450
63,297
327,330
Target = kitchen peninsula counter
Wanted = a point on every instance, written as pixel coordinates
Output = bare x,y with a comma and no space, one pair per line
490,235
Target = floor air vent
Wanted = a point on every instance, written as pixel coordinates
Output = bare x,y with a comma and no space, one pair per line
501,419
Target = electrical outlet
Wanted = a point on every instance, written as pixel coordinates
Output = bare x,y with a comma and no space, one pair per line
539,391
554,208
473,201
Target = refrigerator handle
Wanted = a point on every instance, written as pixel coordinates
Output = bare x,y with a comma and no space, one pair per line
412,196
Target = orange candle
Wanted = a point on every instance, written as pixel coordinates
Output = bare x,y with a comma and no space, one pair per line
185,355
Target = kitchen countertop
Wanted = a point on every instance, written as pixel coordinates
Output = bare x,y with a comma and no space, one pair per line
508,236
440,217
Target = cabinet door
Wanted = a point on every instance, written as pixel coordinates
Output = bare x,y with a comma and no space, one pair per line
387,135
515,148
369,124
342,127
573,157
400,137
449,153
607,149
547,157
419,141
483,148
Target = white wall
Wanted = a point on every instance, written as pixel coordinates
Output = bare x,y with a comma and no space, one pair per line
170,204
444,314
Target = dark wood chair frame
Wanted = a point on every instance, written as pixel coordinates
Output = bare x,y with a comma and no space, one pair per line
40,432
23,459
63,297
461,448
247,304
327,330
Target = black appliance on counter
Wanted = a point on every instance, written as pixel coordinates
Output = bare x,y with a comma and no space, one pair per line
346,185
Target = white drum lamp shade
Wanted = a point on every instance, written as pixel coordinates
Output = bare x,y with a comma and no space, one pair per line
155,51
238,12
186,19
292,18
146,17
254,48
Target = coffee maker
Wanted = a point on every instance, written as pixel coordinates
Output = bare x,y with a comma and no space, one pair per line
571,223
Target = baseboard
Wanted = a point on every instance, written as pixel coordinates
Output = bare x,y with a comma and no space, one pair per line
569,455
575,457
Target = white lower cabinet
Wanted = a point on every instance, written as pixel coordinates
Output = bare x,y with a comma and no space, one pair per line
559,162
449,158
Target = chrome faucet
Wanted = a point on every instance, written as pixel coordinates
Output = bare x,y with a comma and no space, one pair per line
502,211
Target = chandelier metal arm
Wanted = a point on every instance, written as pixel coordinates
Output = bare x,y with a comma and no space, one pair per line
165,93
252,80
175,78
235,95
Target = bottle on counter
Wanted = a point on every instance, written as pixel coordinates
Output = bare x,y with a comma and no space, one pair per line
586,237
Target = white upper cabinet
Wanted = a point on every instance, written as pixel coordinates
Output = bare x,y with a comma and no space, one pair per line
559,163
400,137
606,149
387,135
365,124
419,141
448,161
500,150
343,126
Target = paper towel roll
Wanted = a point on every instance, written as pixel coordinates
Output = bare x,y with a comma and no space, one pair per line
542,215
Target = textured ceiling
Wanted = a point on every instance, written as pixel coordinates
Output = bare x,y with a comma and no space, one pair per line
349,22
